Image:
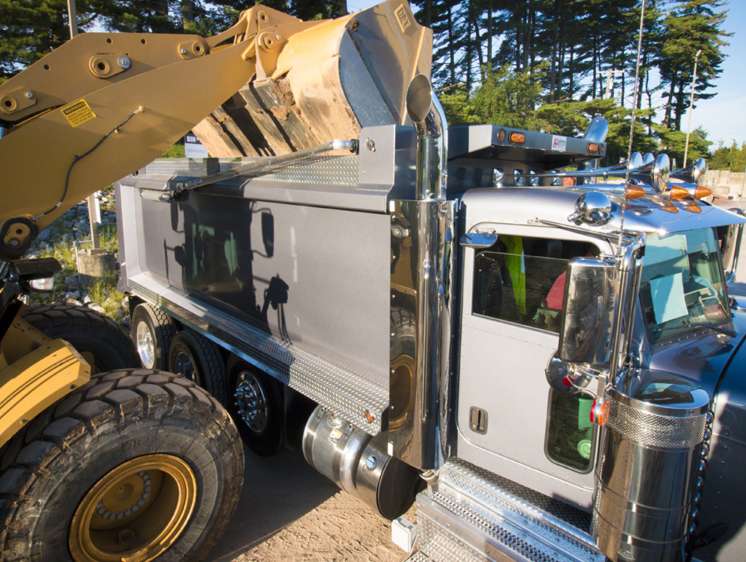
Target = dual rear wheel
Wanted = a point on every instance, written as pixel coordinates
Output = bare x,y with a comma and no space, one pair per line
254,399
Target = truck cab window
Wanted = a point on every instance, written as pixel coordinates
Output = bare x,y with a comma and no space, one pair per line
522,280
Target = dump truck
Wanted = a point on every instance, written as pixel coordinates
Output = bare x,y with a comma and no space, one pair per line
541,354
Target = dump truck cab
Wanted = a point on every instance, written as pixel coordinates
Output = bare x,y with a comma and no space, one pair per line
517,237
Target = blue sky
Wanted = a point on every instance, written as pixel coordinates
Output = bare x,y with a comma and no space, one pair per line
724,116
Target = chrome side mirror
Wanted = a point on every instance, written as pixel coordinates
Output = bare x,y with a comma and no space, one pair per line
591,298
586,335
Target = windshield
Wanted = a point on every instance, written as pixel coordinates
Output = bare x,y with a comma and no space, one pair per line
682,285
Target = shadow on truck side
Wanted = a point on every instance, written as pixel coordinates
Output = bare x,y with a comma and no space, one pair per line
217,258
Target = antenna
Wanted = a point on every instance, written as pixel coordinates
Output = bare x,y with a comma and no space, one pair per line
633,120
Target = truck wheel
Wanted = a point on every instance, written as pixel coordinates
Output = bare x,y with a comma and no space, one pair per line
257,408
95,336
198,359
136,465
151,329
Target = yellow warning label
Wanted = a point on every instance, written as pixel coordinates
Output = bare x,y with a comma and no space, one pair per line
78,112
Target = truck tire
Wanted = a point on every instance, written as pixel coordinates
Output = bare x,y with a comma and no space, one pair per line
95,336
257,408
137,464
151,330
200,360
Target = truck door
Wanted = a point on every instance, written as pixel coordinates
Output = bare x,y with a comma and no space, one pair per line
513,296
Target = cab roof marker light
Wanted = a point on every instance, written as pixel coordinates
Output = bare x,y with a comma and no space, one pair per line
679,192
517,138
634,192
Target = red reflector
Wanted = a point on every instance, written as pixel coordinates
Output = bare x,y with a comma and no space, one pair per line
566,381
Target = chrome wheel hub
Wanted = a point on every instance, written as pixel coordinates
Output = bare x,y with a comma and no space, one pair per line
184,365
251,402
145,345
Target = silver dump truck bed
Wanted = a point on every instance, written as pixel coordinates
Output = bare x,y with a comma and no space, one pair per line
289,270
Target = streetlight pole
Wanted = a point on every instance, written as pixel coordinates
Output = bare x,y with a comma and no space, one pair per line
691,107
72,18
93,206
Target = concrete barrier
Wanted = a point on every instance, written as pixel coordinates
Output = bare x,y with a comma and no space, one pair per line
727,184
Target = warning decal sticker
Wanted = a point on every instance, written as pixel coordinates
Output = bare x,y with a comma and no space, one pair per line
77,113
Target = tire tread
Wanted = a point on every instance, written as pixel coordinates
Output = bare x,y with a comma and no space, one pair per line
126,395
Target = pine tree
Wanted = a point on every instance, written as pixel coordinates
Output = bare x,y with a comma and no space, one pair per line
31,28
689,26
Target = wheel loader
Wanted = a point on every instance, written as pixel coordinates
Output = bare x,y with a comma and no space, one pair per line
99,459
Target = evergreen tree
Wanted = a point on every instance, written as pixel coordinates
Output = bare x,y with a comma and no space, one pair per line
690,25
31,28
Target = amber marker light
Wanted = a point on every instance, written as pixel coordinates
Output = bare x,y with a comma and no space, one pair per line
593,148
669,208
633,192
517,138
677,193
693,208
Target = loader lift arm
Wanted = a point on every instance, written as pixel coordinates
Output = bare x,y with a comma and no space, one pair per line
105,104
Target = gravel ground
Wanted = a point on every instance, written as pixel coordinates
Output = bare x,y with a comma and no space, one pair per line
290,512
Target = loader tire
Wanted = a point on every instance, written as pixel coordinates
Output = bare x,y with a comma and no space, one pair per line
197,358
151,330
95,336
137,464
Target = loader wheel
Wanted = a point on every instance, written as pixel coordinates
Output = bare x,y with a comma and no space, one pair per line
95,336
198,359
136,465
151,329
257,407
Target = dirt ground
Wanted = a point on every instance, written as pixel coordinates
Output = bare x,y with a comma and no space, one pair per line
290,512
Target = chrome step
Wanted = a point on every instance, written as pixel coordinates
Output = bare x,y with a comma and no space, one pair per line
470,514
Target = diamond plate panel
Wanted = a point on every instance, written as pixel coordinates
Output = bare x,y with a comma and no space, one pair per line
501,513
324,170
345,393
